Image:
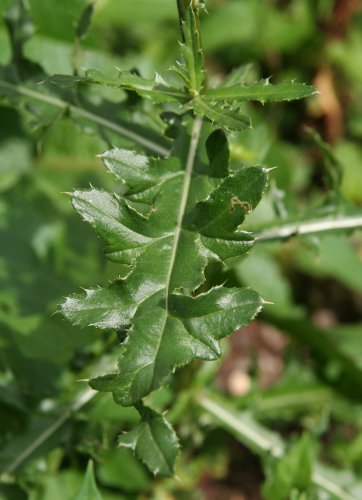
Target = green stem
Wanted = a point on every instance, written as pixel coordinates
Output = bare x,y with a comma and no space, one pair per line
285,231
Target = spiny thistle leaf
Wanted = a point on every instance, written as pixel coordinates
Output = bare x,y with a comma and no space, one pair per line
153,441
193,219
224,114
261,91
157,90
191,67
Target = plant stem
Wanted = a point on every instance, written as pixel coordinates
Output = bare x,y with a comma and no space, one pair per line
103,122
244,427
311,227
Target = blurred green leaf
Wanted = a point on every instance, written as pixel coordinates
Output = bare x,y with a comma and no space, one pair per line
88,490
350,157
332,249
58,486
156,90
56,20
52,43
262,272
5,44
333,365
14,161
333,167
293,472
85,20
120,469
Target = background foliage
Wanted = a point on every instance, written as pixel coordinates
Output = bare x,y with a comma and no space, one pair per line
290,384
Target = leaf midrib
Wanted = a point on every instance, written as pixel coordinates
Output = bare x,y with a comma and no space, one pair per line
195,137
197,339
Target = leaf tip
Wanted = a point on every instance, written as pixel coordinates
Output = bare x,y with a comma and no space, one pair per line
268,169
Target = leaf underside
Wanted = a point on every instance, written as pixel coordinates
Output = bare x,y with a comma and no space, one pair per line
193,219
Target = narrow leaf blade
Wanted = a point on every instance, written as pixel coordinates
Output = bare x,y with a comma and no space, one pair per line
192,66
156,90
261,91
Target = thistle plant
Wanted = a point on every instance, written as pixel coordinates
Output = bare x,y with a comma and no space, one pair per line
178,213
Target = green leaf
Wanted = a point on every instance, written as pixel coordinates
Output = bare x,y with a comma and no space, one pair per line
334,248
217,148
14,160
153,441
333,365
85,20
51,42
261,91
157,90
5,43
54,20
120,469
88,490
191,67
333,167
292,472
167,252
266,276
224,114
